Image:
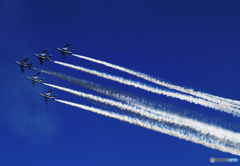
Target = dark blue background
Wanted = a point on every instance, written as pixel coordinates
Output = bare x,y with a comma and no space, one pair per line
194,44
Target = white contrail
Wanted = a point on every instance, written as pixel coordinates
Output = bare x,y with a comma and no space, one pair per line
155,115
220,100
116,94
161,116
188,98
211,143
110,92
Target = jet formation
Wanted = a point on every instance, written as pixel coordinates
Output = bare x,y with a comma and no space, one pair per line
41,57
65,51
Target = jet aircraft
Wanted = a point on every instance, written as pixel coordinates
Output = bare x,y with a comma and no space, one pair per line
64,50
47,96
35,79
24,64
42,56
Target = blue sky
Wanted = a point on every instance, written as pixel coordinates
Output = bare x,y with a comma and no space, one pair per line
194,44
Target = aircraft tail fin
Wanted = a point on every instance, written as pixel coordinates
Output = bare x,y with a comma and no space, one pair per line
54,97
71,52
49,57
41,81
30,65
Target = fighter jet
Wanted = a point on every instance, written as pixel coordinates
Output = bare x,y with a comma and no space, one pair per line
64,50
34,79
47,96
24,64
41,56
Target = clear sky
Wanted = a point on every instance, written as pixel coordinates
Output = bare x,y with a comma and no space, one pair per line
194,44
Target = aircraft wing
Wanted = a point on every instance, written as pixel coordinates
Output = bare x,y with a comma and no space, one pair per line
63,55
46,100
66,47
44,52
36,76
25,60
33,83
22,69
48,93
41,61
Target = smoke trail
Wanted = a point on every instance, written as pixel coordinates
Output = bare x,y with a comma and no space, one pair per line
81,82
110,92
204,129
130,98
93,86
219,100
122,106
160,128
190,99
